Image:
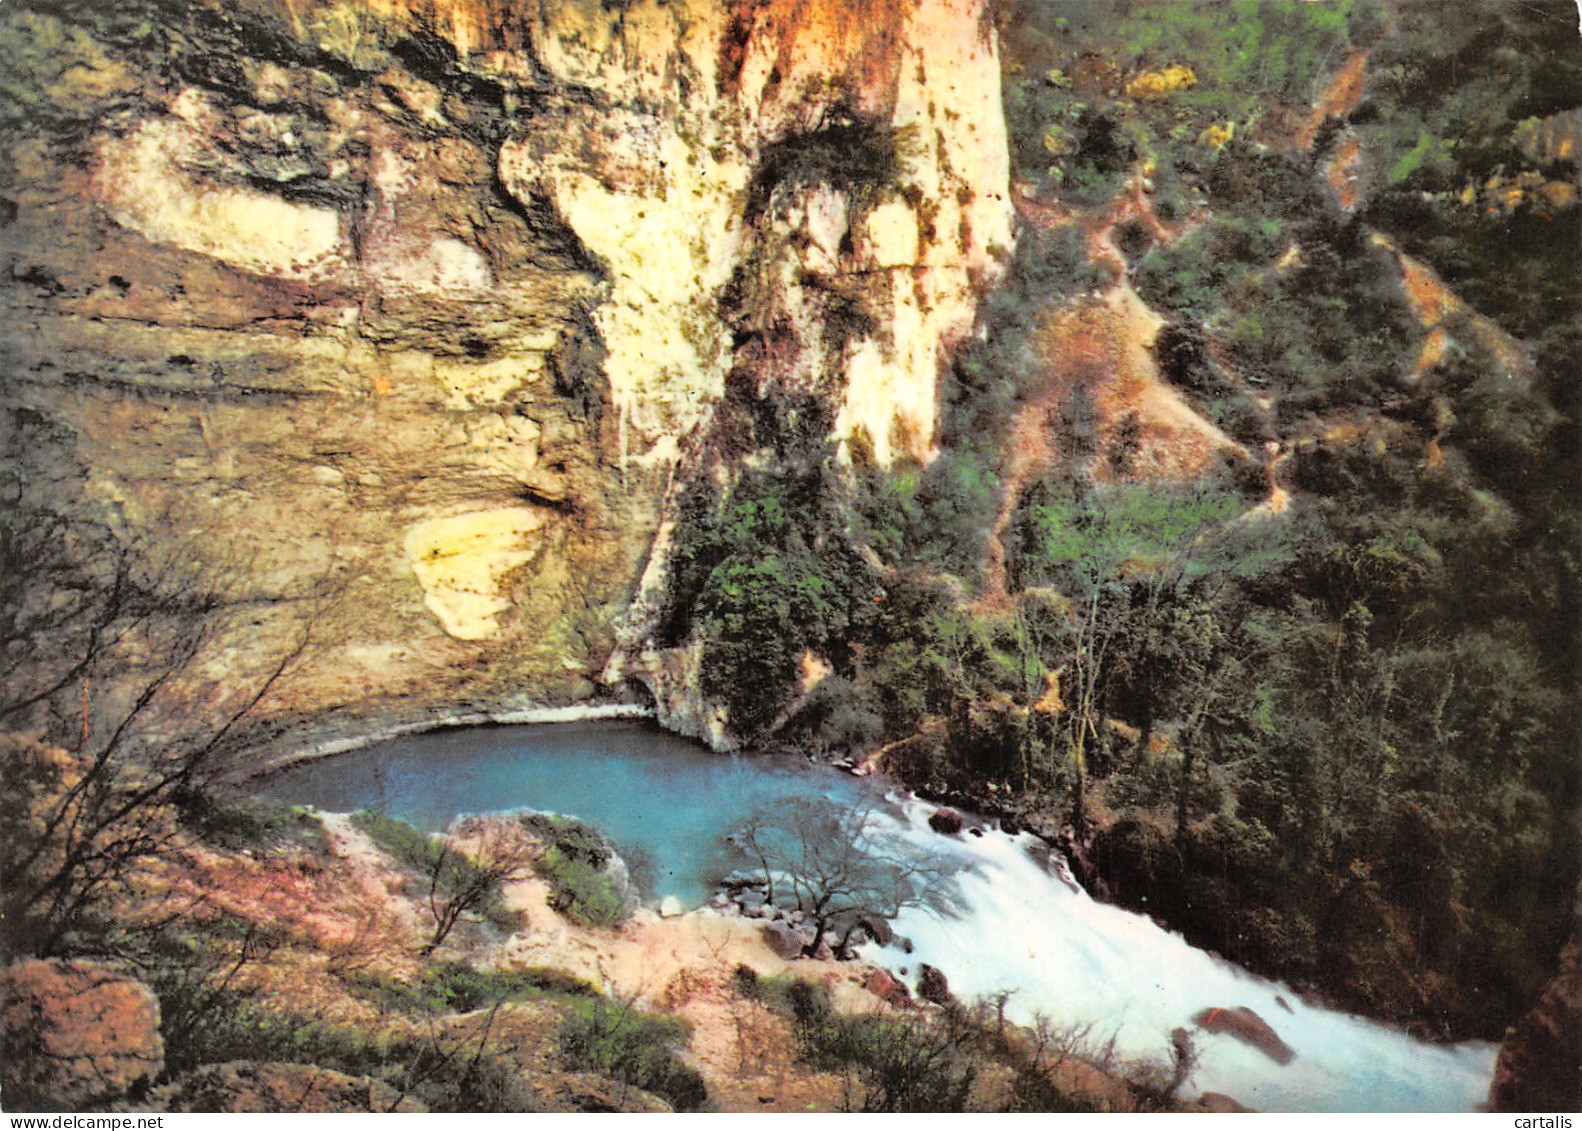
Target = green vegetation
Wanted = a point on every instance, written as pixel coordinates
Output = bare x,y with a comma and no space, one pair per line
579,862
957,1060
457,987
238,823
636,1048
1069,62
209,1016
760,575
1458,88
456,879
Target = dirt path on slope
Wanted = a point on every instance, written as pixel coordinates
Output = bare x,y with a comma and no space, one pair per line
685,965
1339,99
1102,345
1444,314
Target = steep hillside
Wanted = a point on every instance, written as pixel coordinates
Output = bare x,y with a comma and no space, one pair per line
1244,561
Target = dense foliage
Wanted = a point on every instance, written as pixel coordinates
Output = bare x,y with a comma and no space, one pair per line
1330,739
633,1047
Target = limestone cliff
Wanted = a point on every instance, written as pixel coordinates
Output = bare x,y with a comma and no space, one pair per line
404,314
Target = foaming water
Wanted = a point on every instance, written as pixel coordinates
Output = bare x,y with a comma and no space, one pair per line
1015,924
1034,932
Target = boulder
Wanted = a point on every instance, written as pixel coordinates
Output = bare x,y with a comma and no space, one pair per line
945,821
877,927
857,927
262,1086
1540,1064
1246,1026
783,940
932,985
887,988
74,1032
1218,1103
670,908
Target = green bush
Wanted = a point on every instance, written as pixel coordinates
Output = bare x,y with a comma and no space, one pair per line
456,987
905,1064
453,882
635,1048
398,839
577,861
203,1022
759,574
238,823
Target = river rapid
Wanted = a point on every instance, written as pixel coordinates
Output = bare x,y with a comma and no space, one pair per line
1017,923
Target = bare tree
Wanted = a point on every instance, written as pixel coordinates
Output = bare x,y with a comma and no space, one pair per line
827,861
107,718
466,869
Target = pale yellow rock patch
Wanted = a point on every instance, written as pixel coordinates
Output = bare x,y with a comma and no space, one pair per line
141,183
462,560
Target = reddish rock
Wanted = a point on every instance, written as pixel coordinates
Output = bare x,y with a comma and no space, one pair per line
887,988
1540,1064
1246,1026
73,1032
1218,1103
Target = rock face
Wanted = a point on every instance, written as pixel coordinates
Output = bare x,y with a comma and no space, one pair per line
254,1086
1246,1026
402,316
783,939
1540,1063
933,986
74,1032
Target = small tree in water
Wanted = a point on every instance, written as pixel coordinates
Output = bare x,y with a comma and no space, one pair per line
824,860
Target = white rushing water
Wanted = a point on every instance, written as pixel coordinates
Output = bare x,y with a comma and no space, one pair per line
1019,927
1023,928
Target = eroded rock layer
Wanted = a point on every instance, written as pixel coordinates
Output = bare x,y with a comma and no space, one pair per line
401,316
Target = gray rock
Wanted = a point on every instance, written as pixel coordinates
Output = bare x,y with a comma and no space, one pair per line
877,928
783,940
